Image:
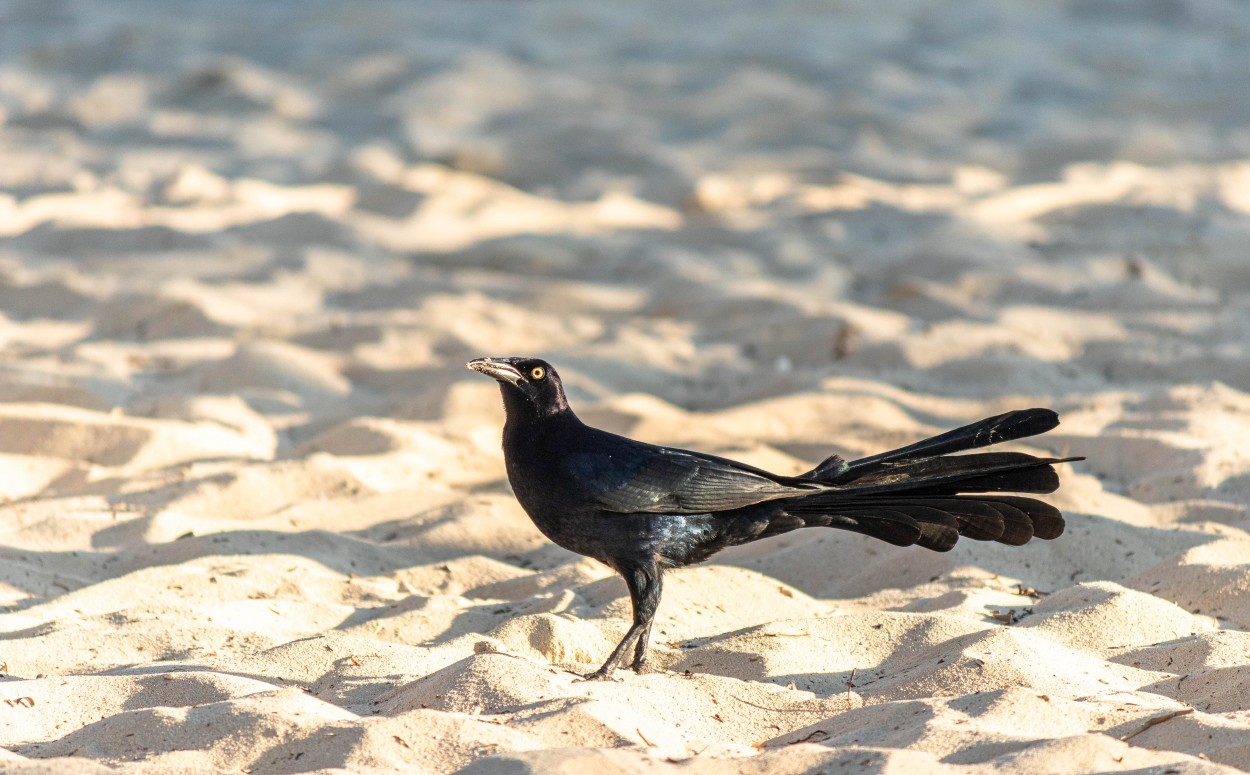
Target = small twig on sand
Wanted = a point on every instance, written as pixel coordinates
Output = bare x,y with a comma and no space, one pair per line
17,512
1155,721
779,710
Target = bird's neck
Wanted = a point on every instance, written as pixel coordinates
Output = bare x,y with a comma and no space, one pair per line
523,414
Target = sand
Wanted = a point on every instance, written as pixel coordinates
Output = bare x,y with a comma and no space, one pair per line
253,510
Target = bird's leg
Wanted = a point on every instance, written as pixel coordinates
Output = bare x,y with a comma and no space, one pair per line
645,605
644,583
605,672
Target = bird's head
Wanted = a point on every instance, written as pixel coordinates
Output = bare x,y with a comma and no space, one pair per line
530,386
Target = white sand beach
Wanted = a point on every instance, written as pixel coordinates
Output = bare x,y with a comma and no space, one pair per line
253,509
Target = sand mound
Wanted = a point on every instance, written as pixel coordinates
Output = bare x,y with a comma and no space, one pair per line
1210,579
1105,617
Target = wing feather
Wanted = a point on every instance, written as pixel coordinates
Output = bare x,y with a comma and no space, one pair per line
650,479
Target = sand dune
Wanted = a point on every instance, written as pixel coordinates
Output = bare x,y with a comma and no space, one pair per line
253,511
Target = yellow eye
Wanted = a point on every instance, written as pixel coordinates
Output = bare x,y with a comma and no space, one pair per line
538,372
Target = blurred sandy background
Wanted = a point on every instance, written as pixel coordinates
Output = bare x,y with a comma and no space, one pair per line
253,511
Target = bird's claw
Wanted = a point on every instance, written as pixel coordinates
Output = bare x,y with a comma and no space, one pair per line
606,674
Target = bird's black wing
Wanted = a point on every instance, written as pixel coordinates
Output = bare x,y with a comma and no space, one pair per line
627,476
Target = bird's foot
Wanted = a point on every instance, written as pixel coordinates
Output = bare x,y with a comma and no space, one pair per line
602,674
640,667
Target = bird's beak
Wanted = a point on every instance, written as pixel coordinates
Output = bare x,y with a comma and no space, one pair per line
500,370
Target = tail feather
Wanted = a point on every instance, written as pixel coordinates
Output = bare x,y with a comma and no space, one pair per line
935,522
1047,520
976,519
1017,525
923,494
897,529
982,472
1039,479
1008,426
939,530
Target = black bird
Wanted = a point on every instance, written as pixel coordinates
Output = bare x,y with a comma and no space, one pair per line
641,508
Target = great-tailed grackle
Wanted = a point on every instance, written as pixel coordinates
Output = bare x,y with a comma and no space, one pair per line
641,508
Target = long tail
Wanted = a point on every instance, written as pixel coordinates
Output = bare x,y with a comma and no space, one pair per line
923,494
